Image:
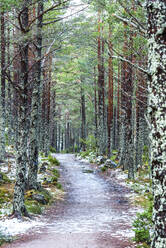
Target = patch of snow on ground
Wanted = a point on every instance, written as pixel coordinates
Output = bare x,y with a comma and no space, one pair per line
14,226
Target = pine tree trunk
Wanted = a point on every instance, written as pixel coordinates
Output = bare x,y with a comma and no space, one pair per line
95,108
18,200
2,103
101,107
83,119
156,11
34,122
110,94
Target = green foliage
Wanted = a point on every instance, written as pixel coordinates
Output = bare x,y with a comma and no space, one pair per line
84,154
90,143
52,150
53,160
5,178
5,195
8,4
5,238
58,185
113,157
145,156
142,226
55,172
104,168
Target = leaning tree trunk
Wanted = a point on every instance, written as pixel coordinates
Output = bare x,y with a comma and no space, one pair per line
18,200
156,11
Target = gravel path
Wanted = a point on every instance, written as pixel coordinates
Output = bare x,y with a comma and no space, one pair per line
94,214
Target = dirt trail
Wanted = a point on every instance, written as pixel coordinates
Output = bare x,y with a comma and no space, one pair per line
95,213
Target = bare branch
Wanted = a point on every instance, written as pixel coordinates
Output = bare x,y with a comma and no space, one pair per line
134,65
129,22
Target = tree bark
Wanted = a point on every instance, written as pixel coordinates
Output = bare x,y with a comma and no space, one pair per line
2,103
34,122
110,93
18,200
156,13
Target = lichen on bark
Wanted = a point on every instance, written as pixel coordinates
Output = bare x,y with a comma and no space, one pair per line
156,13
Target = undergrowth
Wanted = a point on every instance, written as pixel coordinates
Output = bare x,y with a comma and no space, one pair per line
143,224
142,227
53,160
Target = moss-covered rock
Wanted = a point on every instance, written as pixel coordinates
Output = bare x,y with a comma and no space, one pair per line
42,197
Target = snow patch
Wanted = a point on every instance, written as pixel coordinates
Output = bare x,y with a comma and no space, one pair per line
14,226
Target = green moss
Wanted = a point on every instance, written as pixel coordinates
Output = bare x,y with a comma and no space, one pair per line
113,157
53,160
55,173
104,168
5,195
47,196
54,180
5,178
87,171
33,207
59,186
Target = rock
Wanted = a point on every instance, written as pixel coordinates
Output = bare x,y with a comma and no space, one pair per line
110,164
100,160
39,198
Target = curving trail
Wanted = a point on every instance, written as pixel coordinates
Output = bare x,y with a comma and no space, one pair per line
95,213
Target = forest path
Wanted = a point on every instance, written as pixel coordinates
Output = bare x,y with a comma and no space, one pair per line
95,213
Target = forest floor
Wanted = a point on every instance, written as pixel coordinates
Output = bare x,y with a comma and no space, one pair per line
96,211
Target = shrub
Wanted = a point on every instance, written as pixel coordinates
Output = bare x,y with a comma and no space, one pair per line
56,172
5,238
53,160
143,225
104,168
33,207
52,149
84,154
90,143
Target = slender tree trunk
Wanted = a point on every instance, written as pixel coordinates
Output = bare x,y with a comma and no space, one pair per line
34,126
2,103
95,107
110,93
83,119
18,200
101,141
9,91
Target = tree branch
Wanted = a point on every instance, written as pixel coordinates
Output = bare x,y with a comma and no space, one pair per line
129,62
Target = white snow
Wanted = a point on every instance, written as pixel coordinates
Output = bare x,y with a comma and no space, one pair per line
14,226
